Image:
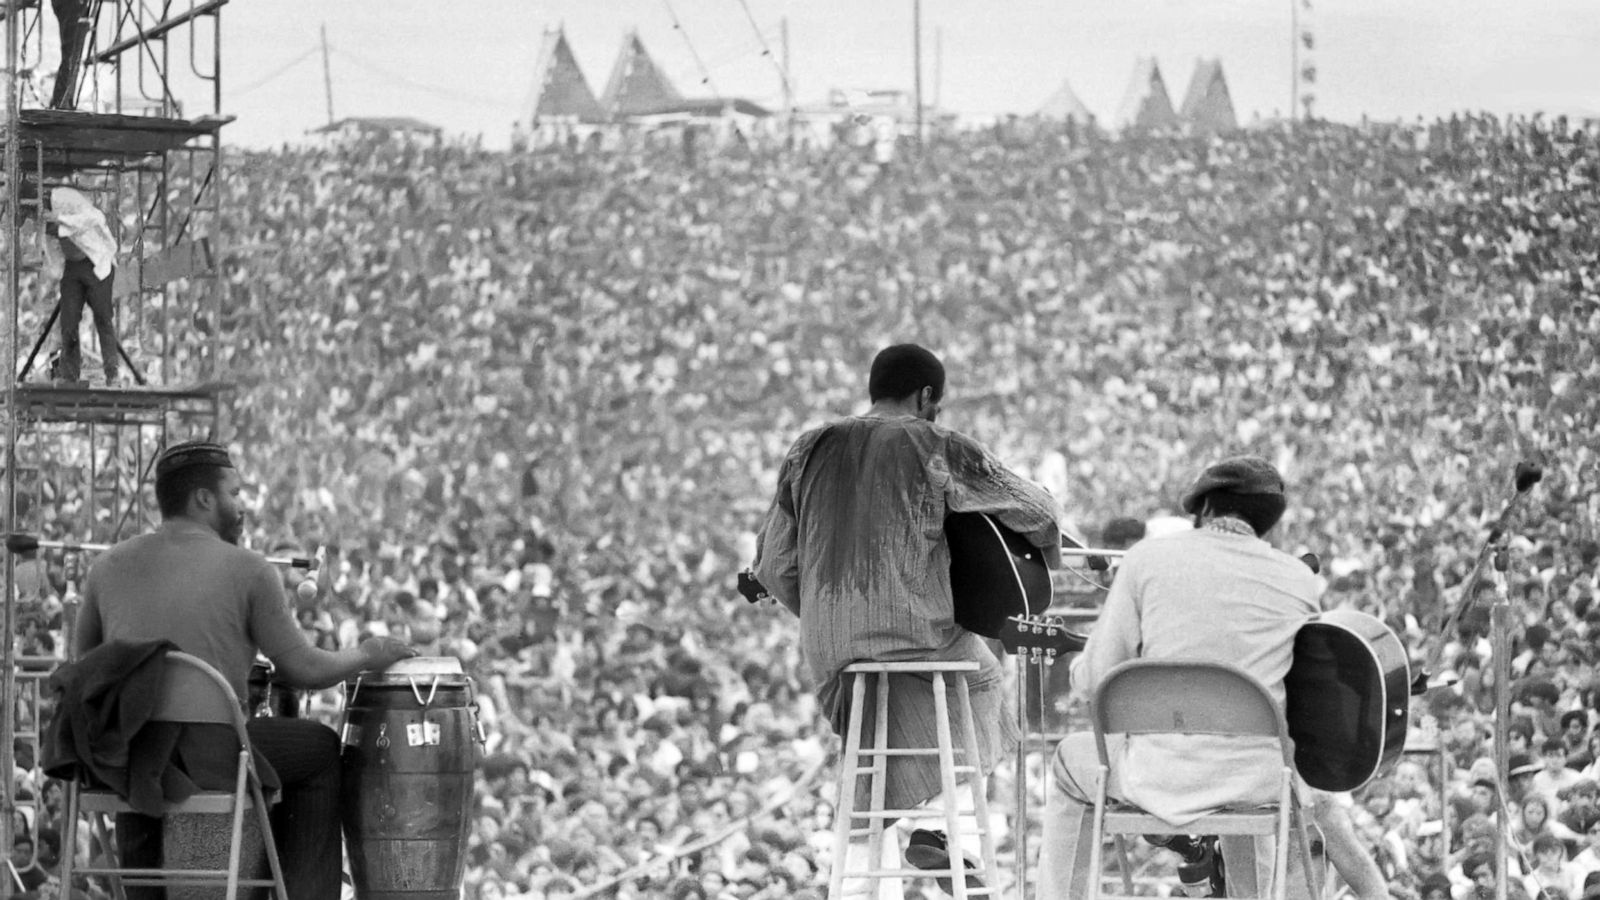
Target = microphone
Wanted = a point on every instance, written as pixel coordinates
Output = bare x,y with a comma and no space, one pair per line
1528,474
306,590
16,542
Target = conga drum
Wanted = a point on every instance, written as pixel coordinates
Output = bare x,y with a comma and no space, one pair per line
410,749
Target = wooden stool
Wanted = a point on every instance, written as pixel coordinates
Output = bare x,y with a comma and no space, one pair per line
877,765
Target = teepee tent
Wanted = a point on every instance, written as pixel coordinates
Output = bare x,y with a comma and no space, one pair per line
1207,105
560,91
1146,106
1064,104
637,86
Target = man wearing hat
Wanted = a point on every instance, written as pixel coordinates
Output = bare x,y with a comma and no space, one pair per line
1215,592
189,582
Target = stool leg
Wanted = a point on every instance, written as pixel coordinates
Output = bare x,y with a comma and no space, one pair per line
844,810
980,794
947,781
880,780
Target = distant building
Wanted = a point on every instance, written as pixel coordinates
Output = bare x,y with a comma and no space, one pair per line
1207,104
1146,106
1064,105
401,128
637,85
564,107
718,119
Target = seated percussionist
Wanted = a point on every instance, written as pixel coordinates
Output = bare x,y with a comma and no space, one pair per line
190,583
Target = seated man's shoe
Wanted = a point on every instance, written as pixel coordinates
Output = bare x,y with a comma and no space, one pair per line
927,850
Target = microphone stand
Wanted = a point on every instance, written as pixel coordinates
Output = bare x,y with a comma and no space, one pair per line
1500,646
1500,613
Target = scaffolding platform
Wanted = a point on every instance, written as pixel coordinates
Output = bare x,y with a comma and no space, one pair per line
116,406
68,140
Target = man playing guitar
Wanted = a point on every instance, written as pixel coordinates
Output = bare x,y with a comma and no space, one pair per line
1220,593
854,545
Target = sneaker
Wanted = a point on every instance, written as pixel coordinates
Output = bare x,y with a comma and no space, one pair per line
927,850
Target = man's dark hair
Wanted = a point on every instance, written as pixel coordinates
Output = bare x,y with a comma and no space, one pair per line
902,370
1261,511
174,488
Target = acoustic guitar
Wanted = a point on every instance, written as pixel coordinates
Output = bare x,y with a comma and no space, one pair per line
1349,690
1349,697
995,573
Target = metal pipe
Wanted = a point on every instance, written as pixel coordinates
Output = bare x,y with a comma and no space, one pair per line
1093,551
21,543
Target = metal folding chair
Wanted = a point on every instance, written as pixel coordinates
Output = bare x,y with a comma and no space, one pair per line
1142,697
192,692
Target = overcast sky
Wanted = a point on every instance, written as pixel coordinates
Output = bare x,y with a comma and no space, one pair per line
469,66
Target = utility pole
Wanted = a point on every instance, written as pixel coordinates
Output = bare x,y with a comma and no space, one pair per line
916,62
938,66
327,78
1294,58
788,73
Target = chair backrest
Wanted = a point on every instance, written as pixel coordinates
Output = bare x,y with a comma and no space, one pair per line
1186,696
194,691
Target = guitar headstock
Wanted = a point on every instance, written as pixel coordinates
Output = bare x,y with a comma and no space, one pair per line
751,589
1041,637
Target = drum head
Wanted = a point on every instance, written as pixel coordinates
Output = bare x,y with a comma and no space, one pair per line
446,670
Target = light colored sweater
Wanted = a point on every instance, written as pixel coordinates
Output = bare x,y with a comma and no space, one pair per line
1207,595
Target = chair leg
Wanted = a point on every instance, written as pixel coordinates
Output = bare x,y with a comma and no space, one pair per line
1125,863
1097,832
108,845
1280,862
1313,884
264,822
69,836
236,836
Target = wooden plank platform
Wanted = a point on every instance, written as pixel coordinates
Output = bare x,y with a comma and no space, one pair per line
48,402
70,139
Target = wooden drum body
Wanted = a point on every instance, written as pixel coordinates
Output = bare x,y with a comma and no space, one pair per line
410,751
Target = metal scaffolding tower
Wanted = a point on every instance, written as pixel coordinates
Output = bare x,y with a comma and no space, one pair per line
133,121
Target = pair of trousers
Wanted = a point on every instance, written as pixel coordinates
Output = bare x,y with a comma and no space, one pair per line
305,820
79,286
1068,830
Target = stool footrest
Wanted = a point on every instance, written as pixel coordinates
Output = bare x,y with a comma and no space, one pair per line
908,751
917,873
917,667
921,814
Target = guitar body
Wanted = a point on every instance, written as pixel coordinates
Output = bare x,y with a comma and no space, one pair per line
1349,696
995,573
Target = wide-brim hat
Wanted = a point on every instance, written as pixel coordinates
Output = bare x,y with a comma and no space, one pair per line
1236,474
1522,764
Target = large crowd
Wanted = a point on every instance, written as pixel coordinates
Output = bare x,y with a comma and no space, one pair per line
531,405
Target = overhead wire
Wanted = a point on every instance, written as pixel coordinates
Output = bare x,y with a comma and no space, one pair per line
416,85
275,73
766,50
705,75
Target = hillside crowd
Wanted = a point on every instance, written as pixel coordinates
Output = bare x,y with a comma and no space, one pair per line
531,405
